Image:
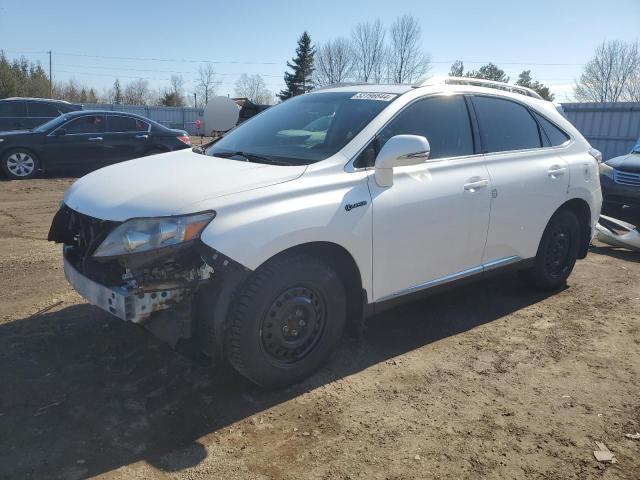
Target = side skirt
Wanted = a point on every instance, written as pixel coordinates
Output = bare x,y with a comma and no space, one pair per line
441,285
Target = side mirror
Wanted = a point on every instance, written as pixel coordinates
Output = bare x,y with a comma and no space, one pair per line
60,132
399,151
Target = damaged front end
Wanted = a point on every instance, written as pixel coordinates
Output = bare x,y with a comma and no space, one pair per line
112,267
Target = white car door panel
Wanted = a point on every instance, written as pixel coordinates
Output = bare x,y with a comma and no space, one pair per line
430,226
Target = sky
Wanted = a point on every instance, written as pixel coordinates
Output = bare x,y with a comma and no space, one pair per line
94,42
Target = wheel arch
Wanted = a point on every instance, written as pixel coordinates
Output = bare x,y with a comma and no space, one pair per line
580,208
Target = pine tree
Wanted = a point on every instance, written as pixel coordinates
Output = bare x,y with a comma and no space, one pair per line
299,81
117,92
525,80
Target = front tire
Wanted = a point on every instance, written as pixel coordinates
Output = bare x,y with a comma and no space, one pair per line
286,320
19,164
557,252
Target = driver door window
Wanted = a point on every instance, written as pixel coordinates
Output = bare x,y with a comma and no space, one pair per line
443,120
85,125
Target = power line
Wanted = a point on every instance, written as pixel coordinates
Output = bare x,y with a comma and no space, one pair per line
101,67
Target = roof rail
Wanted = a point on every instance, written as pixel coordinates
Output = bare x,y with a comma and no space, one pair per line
339,84
480,82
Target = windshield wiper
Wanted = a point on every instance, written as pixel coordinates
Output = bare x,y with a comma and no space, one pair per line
252,157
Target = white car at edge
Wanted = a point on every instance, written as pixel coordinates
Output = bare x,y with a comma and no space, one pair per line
327,208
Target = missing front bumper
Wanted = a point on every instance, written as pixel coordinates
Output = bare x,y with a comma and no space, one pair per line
127,304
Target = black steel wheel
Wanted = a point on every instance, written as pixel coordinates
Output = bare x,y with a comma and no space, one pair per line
285,320
557,252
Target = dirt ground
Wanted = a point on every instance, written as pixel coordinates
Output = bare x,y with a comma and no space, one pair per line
488,381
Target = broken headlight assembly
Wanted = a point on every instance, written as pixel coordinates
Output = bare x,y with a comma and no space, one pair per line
606,170
146,234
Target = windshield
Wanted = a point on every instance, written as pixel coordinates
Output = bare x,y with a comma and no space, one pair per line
51,123
302,130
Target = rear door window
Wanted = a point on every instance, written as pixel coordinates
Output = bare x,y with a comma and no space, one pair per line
505,125
121,124
43,110
13,109
552,136
85,124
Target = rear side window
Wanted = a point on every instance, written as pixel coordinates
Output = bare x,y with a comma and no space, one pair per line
85,124
552,136
13,109
119,124
444,121
43,110
505,125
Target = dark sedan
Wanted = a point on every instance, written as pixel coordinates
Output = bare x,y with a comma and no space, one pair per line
85,140
620,179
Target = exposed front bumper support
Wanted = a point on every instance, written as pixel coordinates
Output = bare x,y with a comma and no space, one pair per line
133,305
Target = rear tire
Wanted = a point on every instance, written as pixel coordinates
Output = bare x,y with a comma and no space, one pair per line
284,323
557,253
19,164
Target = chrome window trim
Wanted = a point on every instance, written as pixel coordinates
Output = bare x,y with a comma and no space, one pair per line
75,118
148,130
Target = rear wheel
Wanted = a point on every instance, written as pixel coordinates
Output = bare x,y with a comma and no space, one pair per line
557,252
286,320
19,164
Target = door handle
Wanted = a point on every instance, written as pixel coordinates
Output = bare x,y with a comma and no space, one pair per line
142,136
476,185
556,171
95,139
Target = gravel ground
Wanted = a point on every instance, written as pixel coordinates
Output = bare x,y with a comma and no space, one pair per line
487,381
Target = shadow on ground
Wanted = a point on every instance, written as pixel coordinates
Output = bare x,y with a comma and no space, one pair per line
84,393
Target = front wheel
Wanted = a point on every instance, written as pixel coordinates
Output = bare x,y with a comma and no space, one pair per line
286,320
19,164
557,252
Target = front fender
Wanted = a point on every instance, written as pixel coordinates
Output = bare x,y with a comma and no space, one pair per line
252,227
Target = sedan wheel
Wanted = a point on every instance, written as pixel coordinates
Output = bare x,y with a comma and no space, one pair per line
19,164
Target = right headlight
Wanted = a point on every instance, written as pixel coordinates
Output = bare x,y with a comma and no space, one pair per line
145,234
606,170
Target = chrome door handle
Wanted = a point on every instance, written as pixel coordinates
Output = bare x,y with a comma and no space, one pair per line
95,139
556,171
473,186
142,136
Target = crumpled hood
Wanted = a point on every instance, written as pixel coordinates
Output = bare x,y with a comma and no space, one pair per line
164,184
628,163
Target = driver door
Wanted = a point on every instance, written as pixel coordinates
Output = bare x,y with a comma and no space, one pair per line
430,226
77,144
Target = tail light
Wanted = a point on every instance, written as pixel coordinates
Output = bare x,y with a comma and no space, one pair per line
185,139
597,154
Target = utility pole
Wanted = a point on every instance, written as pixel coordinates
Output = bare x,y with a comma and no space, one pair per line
50,78
195,101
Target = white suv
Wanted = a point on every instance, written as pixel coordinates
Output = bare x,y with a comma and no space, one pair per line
327,208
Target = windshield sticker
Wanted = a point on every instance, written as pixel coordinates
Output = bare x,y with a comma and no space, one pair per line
383,97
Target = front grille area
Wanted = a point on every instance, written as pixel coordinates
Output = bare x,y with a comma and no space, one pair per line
630,179
81,235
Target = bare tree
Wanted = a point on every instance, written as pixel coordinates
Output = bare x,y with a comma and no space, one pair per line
207,82
632,91
136,93
173,96
606,76
367,43
253,88
333,62
407,62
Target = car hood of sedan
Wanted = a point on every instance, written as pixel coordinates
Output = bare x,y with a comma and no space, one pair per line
164,184
11,133
628,163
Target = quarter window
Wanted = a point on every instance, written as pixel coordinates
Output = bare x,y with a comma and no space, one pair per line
85,124
505,125
13,109
119,124
443,120
552,135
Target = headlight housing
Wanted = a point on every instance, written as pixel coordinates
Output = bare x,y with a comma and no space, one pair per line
145,234
606,170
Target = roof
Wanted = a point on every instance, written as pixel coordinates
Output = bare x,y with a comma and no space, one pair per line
33,99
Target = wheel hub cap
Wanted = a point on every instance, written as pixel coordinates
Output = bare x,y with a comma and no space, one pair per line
558,252
20,164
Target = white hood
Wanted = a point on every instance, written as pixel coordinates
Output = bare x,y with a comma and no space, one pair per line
164,184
